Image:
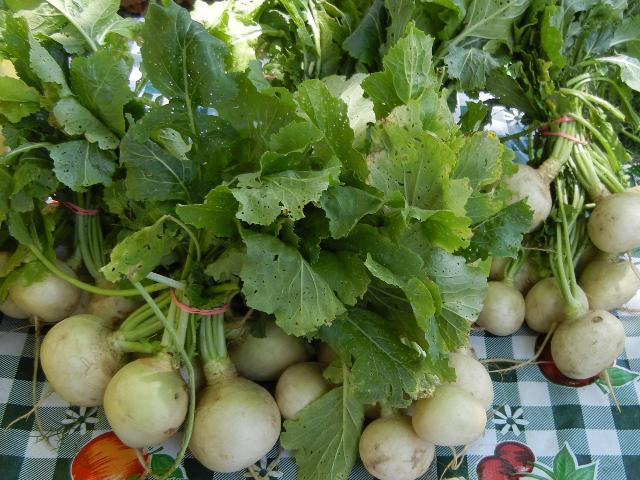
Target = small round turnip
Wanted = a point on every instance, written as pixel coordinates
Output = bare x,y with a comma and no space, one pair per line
452,416
472,377
391,450
614,225
584,347
79,359
528,183
51,299
264,359
503,310
609,283
298,386
545,305
146,401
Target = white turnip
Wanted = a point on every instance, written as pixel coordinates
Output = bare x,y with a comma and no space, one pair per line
114,309
146,401
51,299
298,386
452,416
614,225
609,283
264,359
503,310
8,307
472,377
584,347
79,357
529,184
545,305
391,450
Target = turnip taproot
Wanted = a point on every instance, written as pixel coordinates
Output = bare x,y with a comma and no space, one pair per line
298,386
391,450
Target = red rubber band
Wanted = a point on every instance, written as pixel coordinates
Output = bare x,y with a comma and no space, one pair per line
197,311
81,211
565,135
557,121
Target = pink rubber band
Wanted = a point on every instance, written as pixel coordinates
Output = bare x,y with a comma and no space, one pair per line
197,311
565,135
77,209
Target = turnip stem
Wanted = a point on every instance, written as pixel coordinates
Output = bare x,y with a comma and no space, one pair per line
169,282
188,428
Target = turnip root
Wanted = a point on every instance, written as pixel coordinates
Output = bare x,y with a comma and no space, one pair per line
472,377
8,307
146,401
614,225
79,358
609,283
264,359
114,309
237,423
529,184
298,386
391,450
526,276
452,416
51,299
503,310
545,305
584,347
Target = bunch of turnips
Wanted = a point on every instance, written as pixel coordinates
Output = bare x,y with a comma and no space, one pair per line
269,224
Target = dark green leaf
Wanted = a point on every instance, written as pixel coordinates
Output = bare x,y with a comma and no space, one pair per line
216,214
344,206
473,117
471,66
160,464
324,435
564,464
80,164
364,42
77,120
345,273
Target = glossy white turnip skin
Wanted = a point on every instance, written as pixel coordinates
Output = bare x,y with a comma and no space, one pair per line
237,423
79,358
51,299
391,450
584,347
264,359
472,377
114,309
545,305
146,402
298,386
609,283
528,183
526,276
452,416
503,310
614,225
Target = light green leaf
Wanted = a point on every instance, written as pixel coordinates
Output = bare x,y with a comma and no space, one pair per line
46,68
345,273
473,117
278,280
471,66
182,59
227,265
139,253
101,83
359,109
551,36
153,174
80,164
479,159
329,115
263,198
384,369
324,435
409,62
627,31
295,137
216,214
379,87
629,69
77,120
17,99
492,19
565,463
344,206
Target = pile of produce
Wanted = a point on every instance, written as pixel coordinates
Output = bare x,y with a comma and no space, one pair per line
267,211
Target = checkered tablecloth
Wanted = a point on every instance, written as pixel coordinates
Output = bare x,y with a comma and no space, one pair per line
559,424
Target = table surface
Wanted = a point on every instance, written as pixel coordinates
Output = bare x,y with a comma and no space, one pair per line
573,433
